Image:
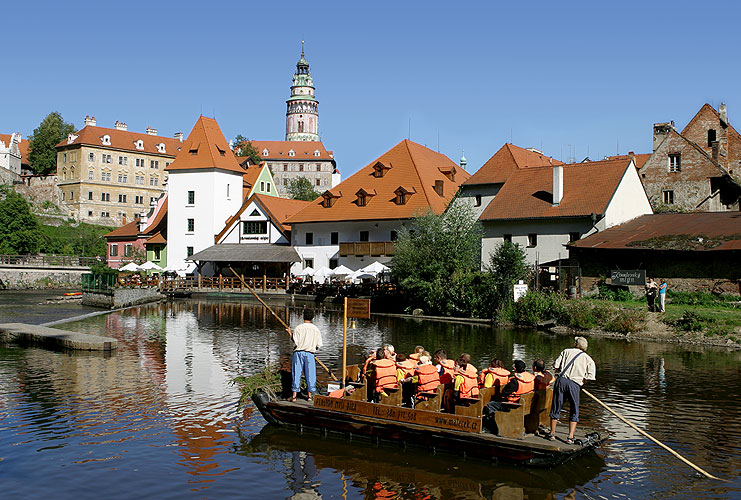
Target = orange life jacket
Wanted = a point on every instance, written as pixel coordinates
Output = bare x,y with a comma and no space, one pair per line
385,374
415,356
500,376
525,384
337,394
448,371
429,379
470,387
543,380
408,366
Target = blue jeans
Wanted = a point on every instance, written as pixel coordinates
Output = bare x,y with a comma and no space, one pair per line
303,361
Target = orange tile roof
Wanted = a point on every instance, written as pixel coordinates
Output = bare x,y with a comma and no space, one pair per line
22,146
157,238
528,193
508,159
640,158
124,140
281,208
160,222
249,177
408,165
205,147
130,230
304,150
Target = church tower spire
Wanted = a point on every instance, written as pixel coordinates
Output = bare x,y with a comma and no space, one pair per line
302,117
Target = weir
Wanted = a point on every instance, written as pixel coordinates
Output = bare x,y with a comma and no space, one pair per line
35,334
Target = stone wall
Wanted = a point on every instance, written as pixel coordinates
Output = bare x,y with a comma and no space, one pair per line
121,297
39,278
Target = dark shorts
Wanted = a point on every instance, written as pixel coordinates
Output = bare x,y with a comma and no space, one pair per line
565,389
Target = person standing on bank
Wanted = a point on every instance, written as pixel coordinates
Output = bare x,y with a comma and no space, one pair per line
308,339
662,296
573,366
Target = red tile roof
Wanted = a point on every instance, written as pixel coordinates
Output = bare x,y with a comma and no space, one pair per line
249,177
409,165
205,147
22,146
157,238
718,230
504,162
124,140
127,231
304,150
588,188
640,158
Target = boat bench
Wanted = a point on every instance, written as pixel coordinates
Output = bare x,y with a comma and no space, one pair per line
526,416
432,401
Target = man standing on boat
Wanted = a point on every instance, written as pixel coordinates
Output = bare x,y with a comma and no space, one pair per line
308,339
573,367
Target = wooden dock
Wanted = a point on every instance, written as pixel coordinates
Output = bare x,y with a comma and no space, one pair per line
35,334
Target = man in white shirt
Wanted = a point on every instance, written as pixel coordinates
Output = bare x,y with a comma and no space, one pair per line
308,339
573,367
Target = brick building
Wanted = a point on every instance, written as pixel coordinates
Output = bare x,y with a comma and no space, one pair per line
697,169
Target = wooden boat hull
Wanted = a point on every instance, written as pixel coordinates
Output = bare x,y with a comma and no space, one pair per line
530,450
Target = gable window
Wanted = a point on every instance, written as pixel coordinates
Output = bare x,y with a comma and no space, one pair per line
255,227
268,187
675,162
439,187
668,197
114,250
329,199
364,235
379,169
363,197
448,172
334,238
291,153
262,185
309,238
532,240
711,137
477,202
265,152
191,225
191,197
402,196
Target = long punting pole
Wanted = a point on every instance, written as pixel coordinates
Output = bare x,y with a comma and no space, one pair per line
649,436
344,343
248,287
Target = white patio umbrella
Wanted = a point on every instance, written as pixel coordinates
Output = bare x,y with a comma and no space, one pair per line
359,275
321,274
341,271
309,271
181,268
150,266
376,268
131,267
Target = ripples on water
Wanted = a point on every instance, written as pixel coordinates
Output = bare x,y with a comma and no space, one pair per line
159,418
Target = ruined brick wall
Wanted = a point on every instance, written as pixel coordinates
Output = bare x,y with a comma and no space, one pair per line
728,138
37,189
691,185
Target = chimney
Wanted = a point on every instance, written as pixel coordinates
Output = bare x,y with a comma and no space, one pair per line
716,150
121,126
90,121
557,185
151,131
661,130
723,112
179,136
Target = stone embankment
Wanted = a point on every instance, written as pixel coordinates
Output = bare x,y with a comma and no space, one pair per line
121,297
35,334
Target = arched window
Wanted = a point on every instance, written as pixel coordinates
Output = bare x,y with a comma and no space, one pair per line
300,126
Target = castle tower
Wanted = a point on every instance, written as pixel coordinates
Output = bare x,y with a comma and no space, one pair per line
302,117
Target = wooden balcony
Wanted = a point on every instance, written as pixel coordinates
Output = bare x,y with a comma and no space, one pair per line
372,248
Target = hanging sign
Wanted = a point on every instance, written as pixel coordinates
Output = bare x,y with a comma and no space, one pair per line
358,308
628,277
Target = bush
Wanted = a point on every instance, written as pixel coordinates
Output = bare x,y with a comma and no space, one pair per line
536,307
626,320
691,321
614,293
581,314
702,299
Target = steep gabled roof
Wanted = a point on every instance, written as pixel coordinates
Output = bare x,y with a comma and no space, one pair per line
22,146
277,209
127,231
734,138
528,193
410,165
303,150
504,162
123,140
157,238
205,148
249,177
640,158
160,220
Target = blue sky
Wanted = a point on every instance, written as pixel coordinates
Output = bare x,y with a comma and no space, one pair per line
591,77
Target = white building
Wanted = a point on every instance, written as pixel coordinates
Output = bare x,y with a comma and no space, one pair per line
204,190
545,208
261,220
356,222
10,152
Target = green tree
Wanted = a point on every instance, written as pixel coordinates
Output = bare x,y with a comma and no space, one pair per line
42,155
507,264
300,188
436,264
20,231
243,147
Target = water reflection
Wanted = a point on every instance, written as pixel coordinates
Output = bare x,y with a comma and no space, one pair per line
160,416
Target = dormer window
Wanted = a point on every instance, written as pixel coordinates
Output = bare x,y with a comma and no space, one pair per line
379,169
291,153
221,151
403,195
439,187
106,139
328,198
139,144
363,197
448,172
265,152
317,153
161,147
194,148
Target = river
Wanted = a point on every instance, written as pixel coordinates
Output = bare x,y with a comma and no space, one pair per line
159,418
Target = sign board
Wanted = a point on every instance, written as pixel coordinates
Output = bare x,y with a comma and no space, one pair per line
399,414
628,277
358,308
520,291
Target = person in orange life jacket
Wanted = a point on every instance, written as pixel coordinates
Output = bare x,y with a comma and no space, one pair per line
390,351
520,382
464,383
495,375
382,372
573,367
543,378
445,366
425,375
404,367
417,353
471,373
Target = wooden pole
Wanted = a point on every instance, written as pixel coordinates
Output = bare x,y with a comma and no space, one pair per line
649,436
344,343
281,321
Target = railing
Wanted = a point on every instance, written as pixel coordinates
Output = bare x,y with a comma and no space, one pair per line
98,282
47,260
222,283
372,248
